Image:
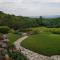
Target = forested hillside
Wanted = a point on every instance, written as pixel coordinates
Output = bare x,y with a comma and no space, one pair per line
20,22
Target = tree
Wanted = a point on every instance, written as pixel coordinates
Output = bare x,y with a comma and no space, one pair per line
41,22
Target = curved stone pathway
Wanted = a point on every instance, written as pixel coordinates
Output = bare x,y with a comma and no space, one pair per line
30,54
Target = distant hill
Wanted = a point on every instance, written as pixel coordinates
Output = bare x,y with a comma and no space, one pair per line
49,16
52,16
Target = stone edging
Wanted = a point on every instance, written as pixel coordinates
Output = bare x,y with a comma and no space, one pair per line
30,54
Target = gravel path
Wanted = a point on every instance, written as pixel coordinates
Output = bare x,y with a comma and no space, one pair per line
30,54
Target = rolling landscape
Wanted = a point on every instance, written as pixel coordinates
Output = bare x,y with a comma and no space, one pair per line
30,30
44,34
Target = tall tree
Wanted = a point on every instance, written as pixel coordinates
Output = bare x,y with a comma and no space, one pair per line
41,22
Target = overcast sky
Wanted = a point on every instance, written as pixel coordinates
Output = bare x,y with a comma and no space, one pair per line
31,7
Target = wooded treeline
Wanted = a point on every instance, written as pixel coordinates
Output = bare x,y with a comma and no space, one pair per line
20,22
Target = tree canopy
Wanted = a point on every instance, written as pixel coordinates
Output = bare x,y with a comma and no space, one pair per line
21,22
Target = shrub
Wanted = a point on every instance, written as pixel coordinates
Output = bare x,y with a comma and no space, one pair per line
4,29
55,30
17,56
12,31
25,30
17,32
12,37
35,31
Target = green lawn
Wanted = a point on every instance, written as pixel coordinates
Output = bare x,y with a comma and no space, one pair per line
43,43
13,37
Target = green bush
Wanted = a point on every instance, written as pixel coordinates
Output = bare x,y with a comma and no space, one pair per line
12,31
25,30
35,31
4,29
13,37
48,30
55,30
16,55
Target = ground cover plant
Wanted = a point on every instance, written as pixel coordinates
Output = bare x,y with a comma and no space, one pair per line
13,37
16,55
46,42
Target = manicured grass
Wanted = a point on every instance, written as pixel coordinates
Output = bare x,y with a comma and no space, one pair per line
43,43
13,37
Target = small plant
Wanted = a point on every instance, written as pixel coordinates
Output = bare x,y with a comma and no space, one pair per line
35,31
55,30
4,29
16,55
12,31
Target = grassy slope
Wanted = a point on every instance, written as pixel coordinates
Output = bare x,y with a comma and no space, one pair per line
43,43
12,37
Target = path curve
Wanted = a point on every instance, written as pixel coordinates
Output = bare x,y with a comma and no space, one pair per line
30,54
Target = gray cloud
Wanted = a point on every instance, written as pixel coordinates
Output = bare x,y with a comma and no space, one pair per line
30,7
54,1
